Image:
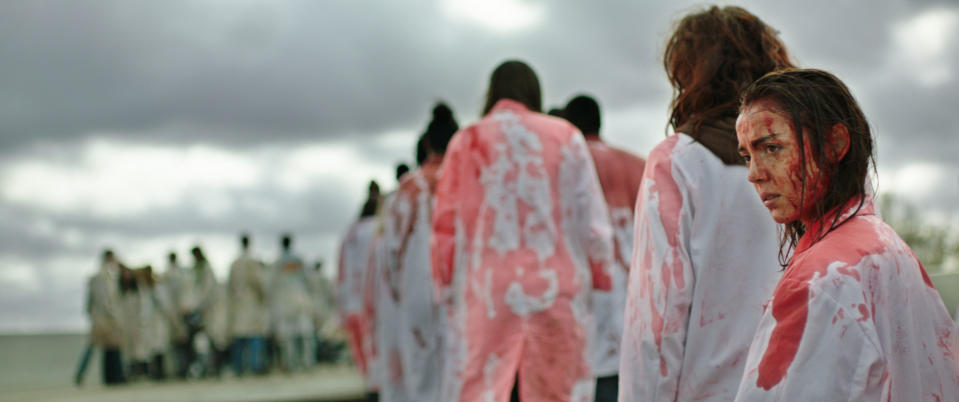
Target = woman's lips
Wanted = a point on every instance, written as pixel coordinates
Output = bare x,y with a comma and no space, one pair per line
769,199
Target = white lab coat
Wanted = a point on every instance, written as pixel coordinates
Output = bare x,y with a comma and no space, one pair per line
705,259
247,290
104,307
422,319
854,318
291,302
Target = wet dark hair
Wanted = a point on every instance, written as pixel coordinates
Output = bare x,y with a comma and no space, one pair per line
815,101
711,57
583,112
245,241
514,80
401,169
286,240
556,112
441,128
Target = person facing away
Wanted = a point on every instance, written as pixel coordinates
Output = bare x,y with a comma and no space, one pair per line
353,263
249,321
105,309
292,309
855,316
520,236
703,243
407,239
382,302
619,176
196,290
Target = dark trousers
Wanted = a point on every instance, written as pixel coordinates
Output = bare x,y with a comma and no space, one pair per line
607,388
157,370
112,367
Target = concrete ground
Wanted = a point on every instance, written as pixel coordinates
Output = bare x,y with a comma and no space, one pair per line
339,384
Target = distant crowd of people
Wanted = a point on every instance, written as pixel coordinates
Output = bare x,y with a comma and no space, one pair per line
266,316
744,259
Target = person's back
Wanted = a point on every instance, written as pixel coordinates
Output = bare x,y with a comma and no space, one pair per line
705,252
619,175
247,292
519,229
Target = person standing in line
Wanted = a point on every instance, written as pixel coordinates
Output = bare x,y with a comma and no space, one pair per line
619,174
382,298
105,310
855,316
353,265
196,288
157,313
703,243
520,236
325,320
293,306
134,323
407,218
174,277
247,292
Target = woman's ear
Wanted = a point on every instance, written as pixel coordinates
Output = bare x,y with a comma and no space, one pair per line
838,141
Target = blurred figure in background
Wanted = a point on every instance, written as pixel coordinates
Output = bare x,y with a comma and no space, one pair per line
134,323
619,175
158,313
195,291
325,322
247,292
704,253
382,298
172,279
292,307
105,310
420,329
520,236
353,263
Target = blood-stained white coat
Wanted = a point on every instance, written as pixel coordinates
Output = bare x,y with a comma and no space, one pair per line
620,173
705,259
420,329
382,300
353,266
854,318
520,232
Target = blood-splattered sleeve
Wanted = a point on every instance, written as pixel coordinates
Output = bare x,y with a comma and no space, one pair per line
661,282
586,207
445,211
809,346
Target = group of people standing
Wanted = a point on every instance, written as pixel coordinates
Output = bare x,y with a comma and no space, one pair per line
265,315
744,259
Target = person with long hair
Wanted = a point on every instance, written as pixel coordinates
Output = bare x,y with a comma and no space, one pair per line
854,316
703,243
520,236
419,330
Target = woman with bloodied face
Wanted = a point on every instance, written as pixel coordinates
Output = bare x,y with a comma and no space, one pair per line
703,242
855,316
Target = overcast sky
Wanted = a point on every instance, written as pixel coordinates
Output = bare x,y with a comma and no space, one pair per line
152,126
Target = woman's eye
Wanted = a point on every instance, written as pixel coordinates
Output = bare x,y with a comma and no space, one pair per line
745,157
771,148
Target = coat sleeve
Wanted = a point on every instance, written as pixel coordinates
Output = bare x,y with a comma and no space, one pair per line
661,282
589,212
826,344
445,215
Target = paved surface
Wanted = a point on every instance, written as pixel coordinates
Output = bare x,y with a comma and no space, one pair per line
340,384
